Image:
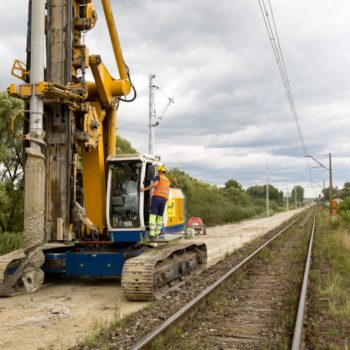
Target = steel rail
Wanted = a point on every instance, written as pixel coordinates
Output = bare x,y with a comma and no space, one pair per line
297,338
302,224
191,307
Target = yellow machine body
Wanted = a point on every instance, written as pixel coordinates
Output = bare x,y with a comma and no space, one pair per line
80,197
92,109
175,210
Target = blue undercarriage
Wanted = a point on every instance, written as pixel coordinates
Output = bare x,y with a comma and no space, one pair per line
85,263
99,260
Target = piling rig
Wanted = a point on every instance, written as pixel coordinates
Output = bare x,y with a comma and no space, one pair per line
83,212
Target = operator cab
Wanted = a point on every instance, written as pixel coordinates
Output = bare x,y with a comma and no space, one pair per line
127,207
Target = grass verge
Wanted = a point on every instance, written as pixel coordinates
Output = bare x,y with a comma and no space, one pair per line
329,311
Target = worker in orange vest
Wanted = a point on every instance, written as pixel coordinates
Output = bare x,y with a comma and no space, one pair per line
160,196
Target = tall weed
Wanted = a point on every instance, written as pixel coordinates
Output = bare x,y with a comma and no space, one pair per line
10,241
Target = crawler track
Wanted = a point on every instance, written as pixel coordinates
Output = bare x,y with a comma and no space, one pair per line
243,316
146,273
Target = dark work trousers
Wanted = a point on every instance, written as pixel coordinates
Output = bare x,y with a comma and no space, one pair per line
158,205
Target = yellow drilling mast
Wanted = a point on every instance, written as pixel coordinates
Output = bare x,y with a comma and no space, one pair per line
84,214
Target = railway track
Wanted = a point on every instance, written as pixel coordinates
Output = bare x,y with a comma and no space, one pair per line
299,324
249,311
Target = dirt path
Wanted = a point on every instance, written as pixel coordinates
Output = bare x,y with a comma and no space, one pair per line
60,315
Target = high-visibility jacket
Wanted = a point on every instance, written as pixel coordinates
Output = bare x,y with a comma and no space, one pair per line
162,189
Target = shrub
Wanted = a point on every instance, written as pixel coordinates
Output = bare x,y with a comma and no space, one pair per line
216,206
344,211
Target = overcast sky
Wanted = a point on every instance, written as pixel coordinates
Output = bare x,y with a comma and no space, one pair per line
230,117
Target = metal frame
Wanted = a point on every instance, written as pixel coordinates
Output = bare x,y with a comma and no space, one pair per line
144,158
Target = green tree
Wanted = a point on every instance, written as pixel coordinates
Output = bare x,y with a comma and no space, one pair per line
299,193
11,166
3,198
124,146
234,192
260,192
11,203
11,148
275,194
257,191
345,192
233,184
335,193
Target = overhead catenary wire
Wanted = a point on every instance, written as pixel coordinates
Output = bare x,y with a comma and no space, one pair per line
271,28
276,47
